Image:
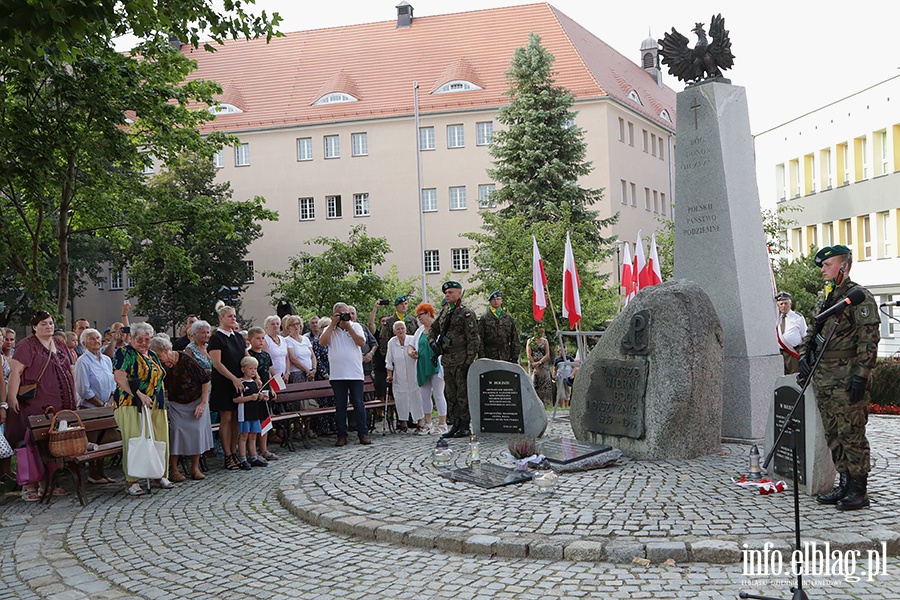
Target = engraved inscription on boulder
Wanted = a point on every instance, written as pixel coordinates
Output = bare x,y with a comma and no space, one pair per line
615,400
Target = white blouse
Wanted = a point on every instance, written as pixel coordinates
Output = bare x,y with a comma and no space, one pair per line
278,350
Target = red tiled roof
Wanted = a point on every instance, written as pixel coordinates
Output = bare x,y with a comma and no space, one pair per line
378,63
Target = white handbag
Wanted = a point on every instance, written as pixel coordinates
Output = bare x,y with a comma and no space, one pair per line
146,457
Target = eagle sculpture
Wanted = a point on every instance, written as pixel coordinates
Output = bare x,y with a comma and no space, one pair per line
703,61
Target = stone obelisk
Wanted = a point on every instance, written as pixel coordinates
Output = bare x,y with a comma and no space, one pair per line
720,244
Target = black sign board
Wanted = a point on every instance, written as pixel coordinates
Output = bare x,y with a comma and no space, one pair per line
566,450
785,397
500,393
615,400
487,475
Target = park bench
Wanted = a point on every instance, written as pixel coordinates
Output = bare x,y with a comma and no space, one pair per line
94,419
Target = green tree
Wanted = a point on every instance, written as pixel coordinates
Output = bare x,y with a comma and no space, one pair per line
343,272
181,264
538,160
802,279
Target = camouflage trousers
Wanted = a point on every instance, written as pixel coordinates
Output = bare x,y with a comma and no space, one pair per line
845,429
456,392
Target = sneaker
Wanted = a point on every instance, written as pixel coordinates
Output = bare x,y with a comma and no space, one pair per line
256,461
244,466
135,489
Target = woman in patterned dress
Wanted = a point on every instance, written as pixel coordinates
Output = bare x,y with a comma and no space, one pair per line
538,350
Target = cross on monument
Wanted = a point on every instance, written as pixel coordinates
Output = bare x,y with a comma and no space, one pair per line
695,108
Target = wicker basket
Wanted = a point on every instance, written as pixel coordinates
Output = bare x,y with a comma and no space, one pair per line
70,442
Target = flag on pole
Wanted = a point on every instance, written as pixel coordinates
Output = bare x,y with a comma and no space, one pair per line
538,282
627,278
571,299
276,384
266,424
654,275
639,273
778,315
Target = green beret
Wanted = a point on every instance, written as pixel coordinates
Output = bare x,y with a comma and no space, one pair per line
828,252
783,296
451,284
495,294
400,299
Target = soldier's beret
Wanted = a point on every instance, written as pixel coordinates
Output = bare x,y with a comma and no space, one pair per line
783,296
451,284
495,294
828,252
400,299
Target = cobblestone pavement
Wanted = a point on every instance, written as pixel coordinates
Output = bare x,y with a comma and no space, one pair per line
234,534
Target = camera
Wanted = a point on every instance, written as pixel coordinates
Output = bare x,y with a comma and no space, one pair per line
344,316
384,302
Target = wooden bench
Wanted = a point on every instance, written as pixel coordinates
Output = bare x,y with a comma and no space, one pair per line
316,390
94,419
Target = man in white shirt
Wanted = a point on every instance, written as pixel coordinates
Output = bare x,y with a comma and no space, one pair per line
344,338
792,328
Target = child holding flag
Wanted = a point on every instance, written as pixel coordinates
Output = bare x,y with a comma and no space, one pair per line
266,372
248,414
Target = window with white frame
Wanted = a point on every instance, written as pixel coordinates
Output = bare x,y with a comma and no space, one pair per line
655,201
662,203
828,170
485,192
646,198
332,146
633,195
621,129
884,228
432,261
847,227
361,205
334,98
883,163
653,144
459,259
304,149
426,138
242,155
645,140
147,169
867,237
630,133
484,133
333,207
359,144
429,200
129,282
100,284
307,209
660,140
219,160
624,191
251,278
458,198
827,234
115,280
458,85
456,137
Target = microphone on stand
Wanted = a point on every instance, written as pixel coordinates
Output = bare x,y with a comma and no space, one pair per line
894,303
853,298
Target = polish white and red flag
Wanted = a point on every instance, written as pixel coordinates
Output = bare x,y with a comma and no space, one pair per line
627,281
654,275
571,299
276,384
778,316
538,282
639,271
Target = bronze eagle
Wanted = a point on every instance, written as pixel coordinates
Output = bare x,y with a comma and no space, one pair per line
705,60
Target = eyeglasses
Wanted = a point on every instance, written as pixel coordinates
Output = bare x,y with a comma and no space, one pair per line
421,314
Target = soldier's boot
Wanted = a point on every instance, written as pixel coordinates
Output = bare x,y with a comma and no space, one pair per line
837,493
464,430
856,497
454,428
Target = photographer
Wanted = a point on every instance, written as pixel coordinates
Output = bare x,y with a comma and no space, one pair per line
344,338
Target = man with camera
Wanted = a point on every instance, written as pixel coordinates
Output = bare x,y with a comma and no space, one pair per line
454,337
344,338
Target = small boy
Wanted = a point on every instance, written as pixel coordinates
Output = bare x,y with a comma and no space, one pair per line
248,414
257,337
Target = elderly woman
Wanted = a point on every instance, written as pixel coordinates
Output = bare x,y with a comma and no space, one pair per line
94,385
401,372
429,373
302,361
200,333
136,365
40,360
276,345
187,388
227,348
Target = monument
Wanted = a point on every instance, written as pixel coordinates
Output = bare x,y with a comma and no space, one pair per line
719,240
502,400
652,386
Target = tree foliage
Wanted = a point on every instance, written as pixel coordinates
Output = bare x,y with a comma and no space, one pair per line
538,160
343,272
182,263
802,279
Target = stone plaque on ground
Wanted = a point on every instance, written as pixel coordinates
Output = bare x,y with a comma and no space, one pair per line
488,475
615,398
816,472
565,450
502,400
679,379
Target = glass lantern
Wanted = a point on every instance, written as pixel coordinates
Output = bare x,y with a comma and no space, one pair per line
442,455
544,478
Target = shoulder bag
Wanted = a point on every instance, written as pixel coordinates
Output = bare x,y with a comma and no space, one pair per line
146,456
27,392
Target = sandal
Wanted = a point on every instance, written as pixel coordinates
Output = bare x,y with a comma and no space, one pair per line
270,456
56,492
97,481
30,496
232,463
164,484
135,489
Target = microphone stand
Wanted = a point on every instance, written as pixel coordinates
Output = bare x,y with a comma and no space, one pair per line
798,593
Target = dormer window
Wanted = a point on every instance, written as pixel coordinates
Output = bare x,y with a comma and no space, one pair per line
335,98
224,109
633,95
665,115
458,85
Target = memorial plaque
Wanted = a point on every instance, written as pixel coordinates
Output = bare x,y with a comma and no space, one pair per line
565,450
614,403
488,475
784,402
501,402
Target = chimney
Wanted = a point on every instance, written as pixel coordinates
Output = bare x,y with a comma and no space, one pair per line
404,14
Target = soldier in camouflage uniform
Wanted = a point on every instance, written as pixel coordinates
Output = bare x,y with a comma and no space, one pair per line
842,380
498,332
458,344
